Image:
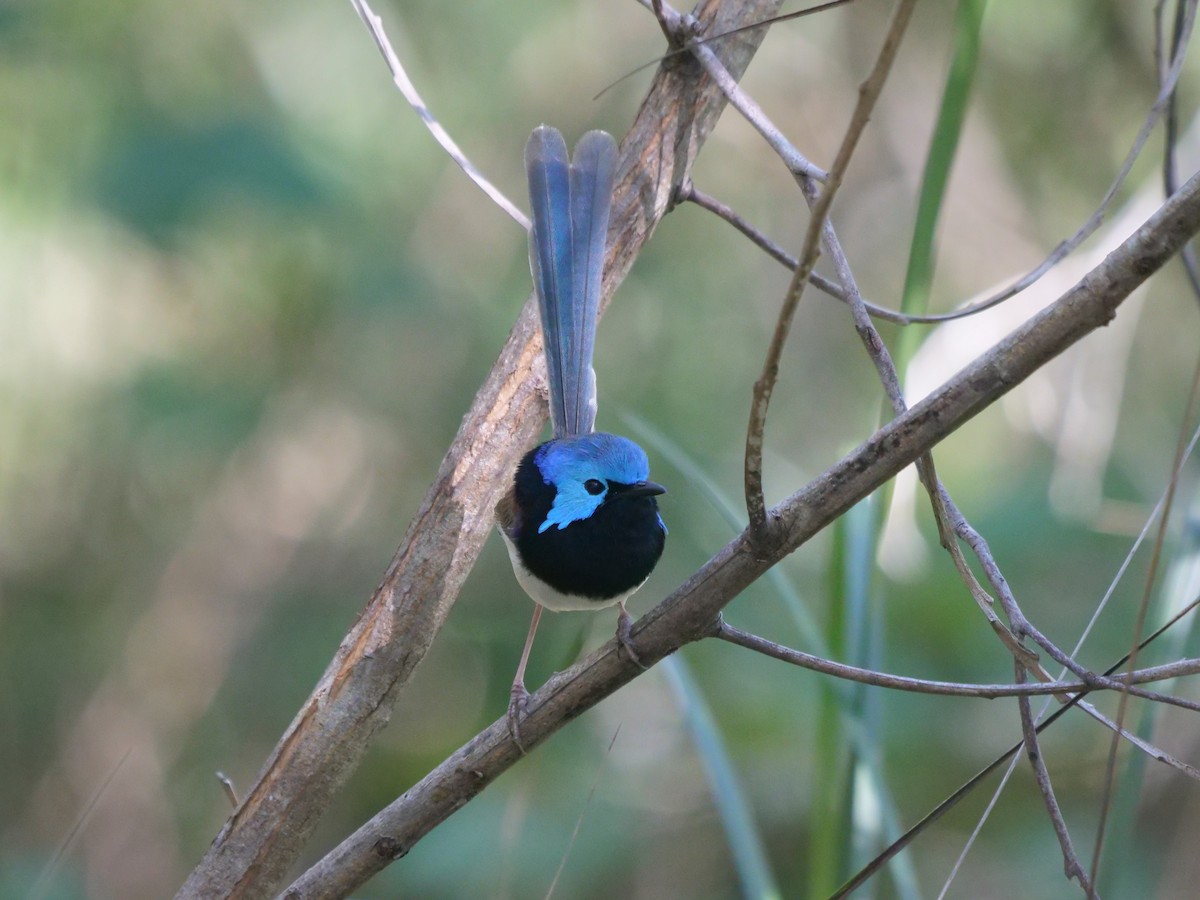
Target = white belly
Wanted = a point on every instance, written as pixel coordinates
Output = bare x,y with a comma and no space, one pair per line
547,596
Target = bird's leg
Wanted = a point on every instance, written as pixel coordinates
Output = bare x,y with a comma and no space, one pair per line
519,696
625,633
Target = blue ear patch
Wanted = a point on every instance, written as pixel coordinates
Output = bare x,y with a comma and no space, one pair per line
569,463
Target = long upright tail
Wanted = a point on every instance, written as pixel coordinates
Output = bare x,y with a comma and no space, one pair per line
571,202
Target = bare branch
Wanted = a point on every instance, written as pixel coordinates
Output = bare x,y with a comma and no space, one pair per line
691,612
1071,864
1171,120
733,635
689,192
400,77
1064,249
950,802
800,166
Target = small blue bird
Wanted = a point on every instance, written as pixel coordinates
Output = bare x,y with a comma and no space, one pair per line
581,522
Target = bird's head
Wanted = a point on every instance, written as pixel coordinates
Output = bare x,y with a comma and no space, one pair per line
588,471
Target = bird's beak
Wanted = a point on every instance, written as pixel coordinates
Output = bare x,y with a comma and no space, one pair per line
643,489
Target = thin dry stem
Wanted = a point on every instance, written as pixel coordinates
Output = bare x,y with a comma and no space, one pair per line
763,388
1071,864
1064,249
733,635
409,90
1110,770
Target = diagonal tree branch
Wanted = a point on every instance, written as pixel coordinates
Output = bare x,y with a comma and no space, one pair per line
353,700
692,611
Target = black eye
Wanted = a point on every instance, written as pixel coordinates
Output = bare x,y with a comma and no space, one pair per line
593,487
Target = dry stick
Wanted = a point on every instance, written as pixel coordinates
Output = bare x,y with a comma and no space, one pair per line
921,686
1171,121
690,613
758,644
798,165
870,337
952,525
864,874
944,509
1095,617
868,94
1097,218
326,741
400,77
1143,610
1155,753
689,192
1071,865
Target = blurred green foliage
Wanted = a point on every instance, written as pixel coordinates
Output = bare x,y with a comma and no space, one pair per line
245,300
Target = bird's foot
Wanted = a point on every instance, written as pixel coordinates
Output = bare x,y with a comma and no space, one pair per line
517,703
625,636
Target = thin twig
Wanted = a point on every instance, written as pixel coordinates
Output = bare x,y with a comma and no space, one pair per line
863,875
1143,610
684,35
758,644
1071,865
45,878
797,163
672,36
1171,122
1097,218
869,93
562,863
690,193
400,77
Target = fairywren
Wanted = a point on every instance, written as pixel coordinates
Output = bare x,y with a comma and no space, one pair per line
581,522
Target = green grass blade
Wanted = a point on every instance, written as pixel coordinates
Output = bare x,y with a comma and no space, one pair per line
830,845
942,150
741,833
873,787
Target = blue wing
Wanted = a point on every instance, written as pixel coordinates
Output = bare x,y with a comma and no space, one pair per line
571,202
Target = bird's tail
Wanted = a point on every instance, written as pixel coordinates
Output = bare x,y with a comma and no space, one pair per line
571,202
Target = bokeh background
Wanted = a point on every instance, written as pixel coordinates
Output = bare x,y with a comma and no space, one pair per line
245,301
